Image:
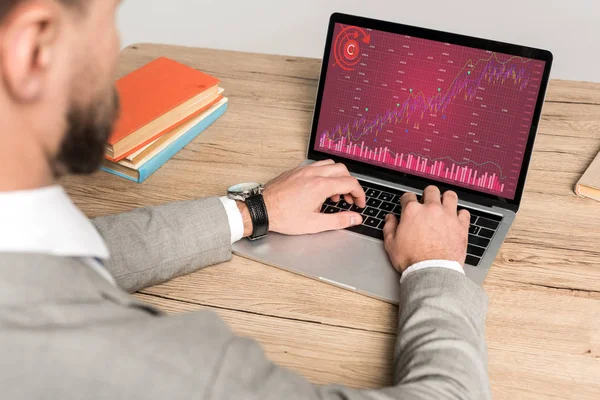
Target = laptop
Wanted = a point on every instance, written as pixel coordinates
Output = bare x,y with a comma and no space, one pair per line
403,108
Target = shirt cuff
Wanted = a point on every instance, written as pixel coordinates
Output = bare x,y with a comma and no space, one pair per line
234,216
453,265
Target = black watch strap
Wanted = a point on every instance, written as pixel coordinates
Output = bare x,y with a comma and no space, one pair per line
258,213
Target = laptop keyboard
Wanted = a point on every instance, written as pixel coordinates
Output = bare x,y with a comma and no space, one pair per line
383,200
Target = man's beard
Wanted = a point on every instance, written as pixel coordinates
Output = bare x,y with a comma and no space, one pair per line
88,130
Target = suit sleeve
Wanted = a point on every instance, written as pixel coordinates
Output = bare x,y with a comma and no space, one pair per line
149,246
440,351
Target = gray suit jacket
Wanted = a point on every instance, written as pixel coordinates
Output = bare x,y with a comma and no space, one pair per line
67,333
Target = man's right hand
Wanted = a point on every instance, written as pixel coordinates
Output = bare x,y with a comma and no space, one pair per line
429,231
294,200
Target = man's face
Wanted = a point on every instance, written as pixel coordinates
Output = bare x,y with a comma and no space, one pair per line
92,104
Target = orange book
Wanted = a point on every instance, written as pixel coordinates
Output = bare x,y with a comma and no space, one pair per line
155,99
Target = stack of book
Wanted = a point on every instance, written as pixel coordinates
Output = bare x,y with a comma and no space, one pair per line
164,106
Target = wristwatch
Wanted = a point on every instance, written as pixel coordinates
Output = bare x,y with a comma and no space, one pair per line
251,194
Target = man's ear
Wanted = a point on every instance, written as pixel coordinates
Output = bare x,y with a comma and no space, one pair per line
27,43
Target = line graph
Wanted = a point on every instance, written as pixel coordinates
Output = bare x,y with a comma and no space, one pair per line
418,104
447,112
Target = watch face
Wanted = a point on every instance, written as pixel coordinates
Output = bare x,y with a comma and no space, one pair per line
243,188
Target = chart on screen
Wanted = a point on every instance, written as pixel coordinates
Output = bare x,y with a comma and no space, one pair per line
446,112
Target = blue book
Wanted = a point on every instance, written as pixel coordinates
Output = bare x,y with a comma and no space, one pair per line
148,168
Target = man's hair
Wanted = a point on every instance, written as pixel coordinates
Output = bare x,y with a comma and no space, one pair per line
7,5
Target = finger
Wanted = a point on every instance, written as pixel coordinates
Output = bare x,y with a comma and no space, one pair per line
336,198
431,195
390,227
464,217
348,199
331,170
321,163
345,185
331,222
450,201
407,198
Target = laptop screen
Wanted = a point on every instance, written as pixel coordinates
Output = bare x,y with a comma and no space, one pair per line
450,113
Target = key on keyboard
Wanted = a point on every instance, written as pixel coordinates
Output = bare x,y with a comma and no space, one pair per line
373,202
372,193
373,222
386,196
382,214
343,205
357,209
370,212
387,206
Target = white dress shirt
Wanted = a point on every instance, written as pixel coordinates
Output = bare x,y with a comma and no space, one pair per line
236,222
45,221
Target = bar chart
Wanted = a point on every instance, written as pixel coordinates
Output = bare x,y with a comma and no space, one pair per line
436,168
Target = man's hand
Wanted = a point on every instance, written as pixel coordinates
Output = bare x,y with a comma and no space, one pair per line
429,231
294,200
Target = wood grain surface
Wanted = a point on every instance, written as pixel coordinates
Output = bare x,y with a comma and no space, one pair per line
543,327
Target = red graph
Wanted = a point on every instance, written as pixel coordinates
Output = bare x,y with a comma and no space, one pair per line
446,112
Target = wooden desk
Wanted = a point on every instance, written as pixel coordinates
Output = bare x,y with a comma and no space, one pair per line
543,328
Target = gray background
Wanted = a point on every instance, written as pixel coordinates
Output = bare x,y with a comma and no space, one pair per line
568,28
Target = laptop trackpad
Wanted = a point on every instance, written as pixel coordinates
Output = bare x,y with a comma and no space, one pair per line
341,258
352,261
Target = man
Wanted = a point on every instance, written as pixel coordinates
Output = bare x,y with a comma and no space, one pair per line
67,327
